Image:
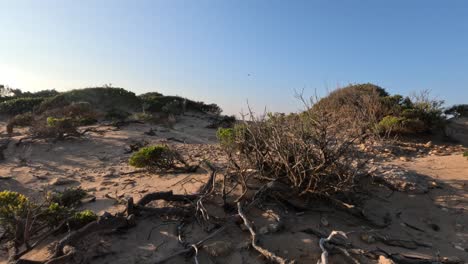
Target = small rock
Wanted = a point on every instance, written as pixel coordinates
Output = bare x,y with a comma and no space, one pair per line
403,158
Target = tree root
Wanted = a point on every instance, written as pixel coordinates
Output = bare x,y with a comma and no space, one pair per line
267,254
105,222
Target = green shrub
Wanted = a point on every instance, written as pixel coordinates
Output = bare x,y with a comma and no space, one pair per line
12,205
465,153
52,127
59,122
56,213
115,114
158,156
70,197
390,124
82,218
152,102
100,98
19,105
226,137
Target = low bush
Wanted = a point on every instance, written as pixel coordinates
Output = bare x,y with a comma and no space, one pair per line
153,102
115,114
52,127
21,120
15,210
19,105
390,124
82,218
70,197
222,122
100,98
158,156
13,206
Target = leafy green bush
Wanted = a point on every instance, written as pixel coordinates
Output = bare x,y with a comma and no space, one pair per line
70,197
19,105
12,206
226,137
465,153
158,156
390,124
82,218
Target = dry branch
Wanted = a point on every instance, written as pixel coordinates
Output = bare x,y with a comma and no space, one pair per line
269,255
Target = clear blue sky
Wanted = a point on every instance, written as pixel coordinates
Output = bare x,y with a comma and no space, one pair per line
230,51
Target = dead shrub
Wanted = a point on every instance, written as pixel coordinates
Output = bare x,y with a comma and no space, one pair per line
21,120
57,128
312,152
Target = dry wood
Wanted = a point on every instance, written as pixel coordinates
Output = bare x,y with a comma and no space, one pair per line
267,254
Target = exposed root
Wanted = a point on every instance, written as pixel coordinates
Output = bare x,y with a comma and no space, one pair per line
267,254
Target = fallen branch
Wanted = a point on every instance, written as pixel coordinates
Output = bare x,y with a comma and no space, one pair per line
105,222
324,257
269,255
193,247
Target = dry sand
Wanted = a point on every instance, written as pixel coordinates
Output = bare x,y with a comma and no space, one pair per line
98,163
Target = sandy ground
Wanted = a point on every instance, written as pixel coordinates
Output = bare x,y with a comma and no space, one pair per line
436,218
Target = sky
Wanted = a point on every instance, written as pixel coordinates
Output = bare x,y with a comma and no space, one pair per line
233,52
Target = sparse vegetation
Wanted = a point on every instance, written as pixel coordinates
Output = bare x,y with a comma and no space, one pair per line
25,222
21,120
